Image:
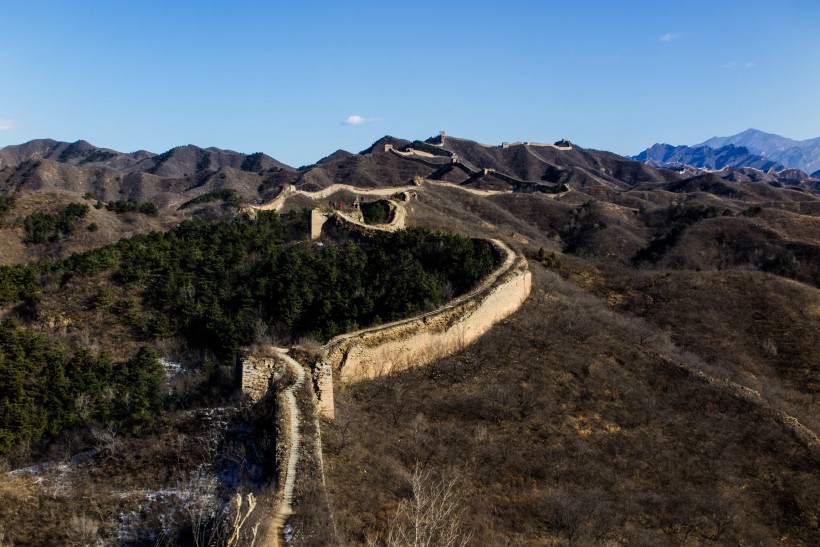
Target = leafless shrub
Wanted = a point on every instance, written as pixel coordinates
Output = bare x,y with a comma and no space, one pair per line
447,291
311,346
715,522
107,441
83,530
770,347
337,437
432,516
401,395
200,507
279,333
213,522
568,512
261,332
240,517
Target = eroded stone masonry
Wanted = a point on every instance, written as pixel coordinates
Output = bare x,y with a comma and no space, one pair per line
409,342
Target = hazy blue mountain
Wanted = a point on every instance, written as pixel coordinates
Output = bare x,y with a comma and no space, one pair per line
707,157
803,155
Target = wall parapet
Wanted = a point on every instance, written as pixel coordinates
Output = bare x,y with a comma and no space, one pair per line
415,341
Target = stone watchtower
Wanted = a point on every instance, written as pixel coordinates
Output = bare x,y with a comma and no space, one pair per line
441,136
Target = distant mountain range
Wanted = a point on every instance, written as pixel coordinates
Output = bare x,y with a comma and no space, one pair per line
751,148
186,172
180,161
190,174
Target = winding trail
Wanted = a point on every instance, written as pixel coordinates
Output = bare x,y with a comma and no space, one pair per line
801,432
274,534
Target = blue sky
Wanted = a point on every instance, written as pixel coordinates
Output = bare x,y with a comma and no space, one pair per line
282,77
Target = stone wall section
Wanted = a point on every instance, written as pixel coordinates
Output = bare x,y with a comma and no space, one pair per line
323,376
317,220
419,340
410,342
256,376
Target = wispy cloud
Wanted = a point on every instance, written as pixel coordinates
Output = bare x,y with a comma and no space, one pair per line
733,64
7,125
669,36
359,120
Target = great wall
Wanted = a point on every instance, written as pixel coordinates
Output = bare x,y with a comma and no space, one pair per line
377,350
453,160
414,341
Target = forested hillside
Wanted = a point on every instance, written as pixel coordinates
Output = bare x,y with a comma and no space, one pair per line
219,287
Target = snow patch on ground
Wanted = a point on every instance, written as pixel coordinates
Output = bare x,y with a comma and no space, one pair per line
172,368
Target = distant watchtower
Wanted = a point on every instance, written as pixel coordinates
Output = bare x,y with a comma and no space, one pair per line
441,136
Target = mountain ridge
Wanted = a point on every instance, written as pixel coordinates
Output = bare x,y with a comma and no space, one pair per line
593,404
760,146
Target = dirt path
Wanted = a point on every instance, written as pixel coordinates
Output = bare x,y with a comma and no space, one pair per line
274,534
804,434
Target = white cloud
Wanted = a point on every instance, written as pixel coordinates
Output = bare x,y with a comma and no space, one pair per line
733,64
6,125
669,36
359,120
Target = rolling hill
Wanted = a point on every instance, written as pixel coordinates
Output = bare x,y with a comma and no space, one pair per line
658,386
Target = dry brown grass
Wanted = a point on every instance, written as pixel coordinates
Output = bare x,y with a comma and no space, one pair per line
158,486
563,428
112,227
758,329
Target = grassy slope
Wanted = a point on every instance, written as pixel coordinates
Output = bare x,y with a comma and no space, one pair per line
562,423
561,426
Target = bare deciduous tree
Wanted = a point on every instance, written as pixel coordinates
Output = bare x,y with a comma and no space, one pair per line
214,522
83,530
433,516
338,436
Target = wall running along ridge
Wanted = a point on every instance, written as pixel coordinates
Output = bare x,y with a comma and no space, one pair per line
409,342
418,340
379,350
